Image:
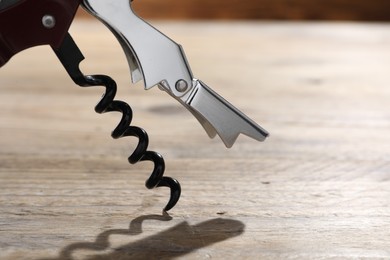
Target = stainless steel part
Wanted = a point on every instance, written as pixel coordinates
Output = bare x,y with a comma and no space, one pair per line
48,21
152,56
226,120
158,60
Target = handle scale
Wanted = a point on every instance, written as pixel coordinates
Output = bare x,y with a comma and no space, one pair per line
22,24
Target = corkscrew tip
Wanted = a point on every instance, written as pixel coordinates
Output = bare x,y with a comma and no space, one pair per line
175,187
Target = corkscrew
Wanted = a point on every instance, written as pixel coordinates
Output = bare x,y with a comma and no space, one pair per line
152,57
70,56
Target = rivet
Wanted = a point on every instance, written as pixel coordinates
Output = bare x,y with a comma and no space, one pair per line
48,21
181,85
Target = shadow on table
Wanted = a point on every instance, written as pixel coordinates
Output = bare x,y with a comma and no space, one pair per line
173,242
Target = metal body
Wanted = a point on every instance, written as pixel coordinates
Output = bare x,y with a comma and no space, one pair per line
158,60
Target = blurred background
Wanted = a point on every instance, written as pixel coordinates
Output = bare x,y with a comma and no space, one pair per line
355,10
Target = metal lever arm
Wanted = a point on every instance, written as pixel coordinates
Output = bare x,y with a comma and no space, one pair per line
158,60
152,56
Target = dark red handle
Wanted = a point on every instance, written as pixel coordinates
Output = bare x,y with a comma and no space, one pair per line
30,23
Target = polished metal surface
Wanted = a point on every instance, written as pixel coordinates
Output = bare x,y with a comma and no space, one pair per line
152,56
48,21
158,60
226,120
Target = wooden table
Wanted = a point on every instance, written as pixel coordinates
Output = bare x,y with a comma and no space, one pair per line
319,187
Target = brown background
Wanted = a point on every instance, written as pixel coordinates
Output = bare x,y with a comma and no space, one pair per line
365,10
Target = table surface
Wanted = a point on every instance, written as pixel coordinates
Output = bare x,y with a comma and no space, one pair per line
318,187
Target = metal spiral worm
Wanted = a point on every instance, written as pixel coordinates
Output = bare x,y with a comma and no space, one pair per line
70,56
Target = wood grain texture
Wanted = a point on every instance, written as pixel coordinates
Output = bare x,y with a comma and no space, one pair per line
319,187
374,10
